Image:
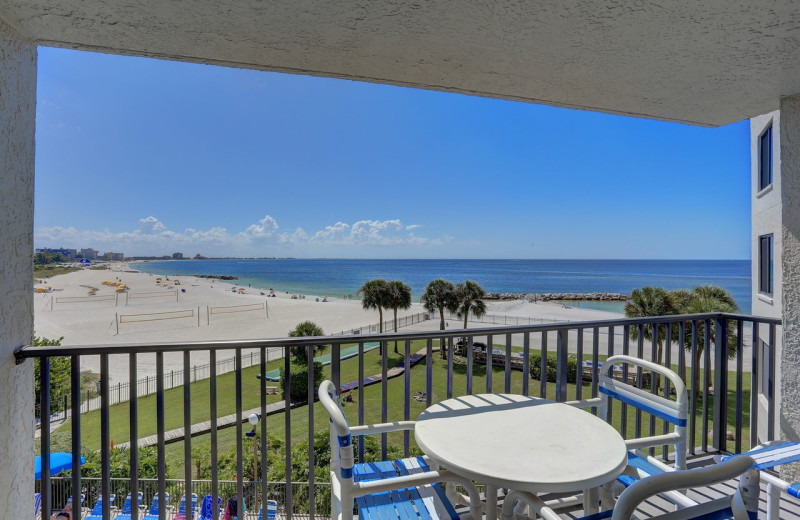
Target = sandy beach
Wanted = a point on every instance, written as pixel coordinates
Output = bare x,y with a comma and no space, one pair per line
63,312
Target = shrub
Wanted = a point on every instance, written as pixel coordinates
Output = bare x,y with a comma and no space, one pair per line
299,381
536,368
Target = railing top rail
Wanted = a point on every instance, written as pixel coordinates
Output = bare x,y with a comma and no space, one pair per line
26,352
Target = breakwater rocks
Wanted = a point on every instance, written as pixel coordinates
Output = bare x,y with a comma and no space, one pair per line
545,297
216,276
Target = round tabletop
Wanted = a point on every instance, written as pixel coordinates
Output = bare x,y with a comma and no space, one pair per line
521,443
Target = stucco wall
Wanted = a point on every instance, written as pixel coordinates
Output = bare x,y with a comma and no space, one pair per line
766,219
17,134
790,202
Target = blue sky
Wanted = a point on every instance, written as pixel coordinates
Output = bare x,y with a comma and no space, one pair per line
150,157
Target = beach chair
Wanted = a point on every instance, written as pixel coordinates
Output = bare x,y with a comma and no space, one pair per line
406,488
272,511
207,509
154,507
97,511
182,514
232,510
640,463
742,505
768,457
37,505
125,513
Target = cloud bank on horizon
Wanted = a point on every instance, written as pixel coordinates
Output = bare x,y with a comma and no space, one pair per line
263,238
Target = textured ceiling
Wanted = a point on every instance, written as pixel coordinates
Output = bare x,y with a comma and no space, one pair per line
702,62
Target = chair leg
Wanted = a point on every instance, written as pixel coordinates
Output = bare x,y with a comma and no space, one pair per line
773,502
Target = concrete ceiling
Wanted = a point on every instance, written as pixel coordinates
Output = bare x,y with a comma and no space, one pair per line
706,62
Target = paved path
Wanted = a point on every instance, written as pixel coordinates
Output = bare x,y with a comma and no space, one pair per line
227,421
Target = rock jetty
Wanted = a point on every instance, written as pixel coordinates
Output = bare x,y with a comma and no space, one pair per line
216,276
545,297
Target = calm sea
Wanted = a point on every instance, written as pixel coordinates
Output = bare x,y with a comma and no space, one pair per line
336,278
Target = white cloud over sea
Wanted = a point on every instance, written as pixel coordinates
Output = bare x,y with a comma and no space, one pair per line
263,238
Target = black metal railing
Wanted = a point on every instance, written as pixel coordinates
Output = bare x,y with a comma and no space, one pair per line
709,352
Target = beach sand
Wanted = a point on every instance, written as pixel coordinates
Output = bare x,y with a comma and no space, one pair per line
95,322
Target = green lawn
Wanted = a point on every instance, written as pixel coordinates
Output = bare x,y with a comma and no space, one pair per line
43,271
299,417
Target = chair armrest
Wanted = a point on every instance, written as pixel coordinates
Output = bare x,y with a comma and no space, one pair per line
630,499
374,429
422,479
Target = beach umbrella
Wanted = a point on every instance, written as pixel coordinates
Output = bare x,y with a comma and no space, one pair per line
59,462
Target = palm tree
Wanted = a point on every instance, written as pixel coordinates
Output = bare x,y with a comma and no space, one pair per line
438,296
704,299
374,295
305,328
399,298
650,301
469,298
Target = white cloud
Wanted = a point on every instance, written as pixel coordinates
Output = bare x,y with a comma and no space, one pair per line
153,238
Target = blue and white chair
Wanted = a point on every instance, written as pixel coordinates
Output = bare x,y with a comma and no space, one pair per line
97,511
768,457
182,514
406,488
37,505
127,506
155,505
742,505
272,511
675,413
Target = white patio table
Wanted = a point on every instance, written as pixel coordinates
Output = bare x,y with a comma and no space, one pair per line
521,443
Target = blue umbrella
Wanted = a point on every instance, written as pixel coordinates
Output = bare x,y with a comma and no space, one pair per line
58,462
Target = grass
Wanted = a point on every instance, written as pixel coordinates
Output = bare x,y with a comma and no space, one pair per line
300,418
45,271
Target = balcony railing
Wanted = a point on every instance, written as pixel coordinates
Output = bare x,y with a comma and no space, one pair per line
715,354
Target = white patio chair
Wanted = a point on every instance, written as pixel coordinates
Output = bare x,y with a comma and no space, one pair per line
742,505
640,463
406,488
769,456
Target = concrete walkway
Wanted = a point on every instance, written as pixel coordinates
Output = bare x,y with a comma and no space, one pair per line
203,428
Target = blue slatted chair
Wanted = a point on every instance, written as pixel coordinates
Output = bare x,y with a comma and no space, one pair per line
385,490
97,511
272,511
125,514
181,514
207,509
37,505
675,413
770,456
154,507
742,505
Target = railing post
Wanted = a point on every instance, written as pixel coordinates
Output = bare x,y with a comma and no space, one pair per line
720,384
561,365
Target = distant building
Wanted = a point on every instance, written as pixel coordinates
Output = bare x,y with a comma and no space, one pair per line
198,256
114,257
89,253
177,256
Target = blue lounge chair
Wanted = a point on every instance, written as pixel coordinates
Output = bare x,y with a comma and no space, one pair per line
272,511
207,509
97,510
37,504
181,514
154,507
377,487
125,514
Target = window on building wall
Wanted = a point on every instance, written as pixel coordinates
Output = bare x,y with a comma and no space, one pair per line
765,159
765,272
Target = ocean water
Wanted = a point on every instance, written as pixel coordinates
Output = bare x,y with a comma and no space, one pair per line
338,278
